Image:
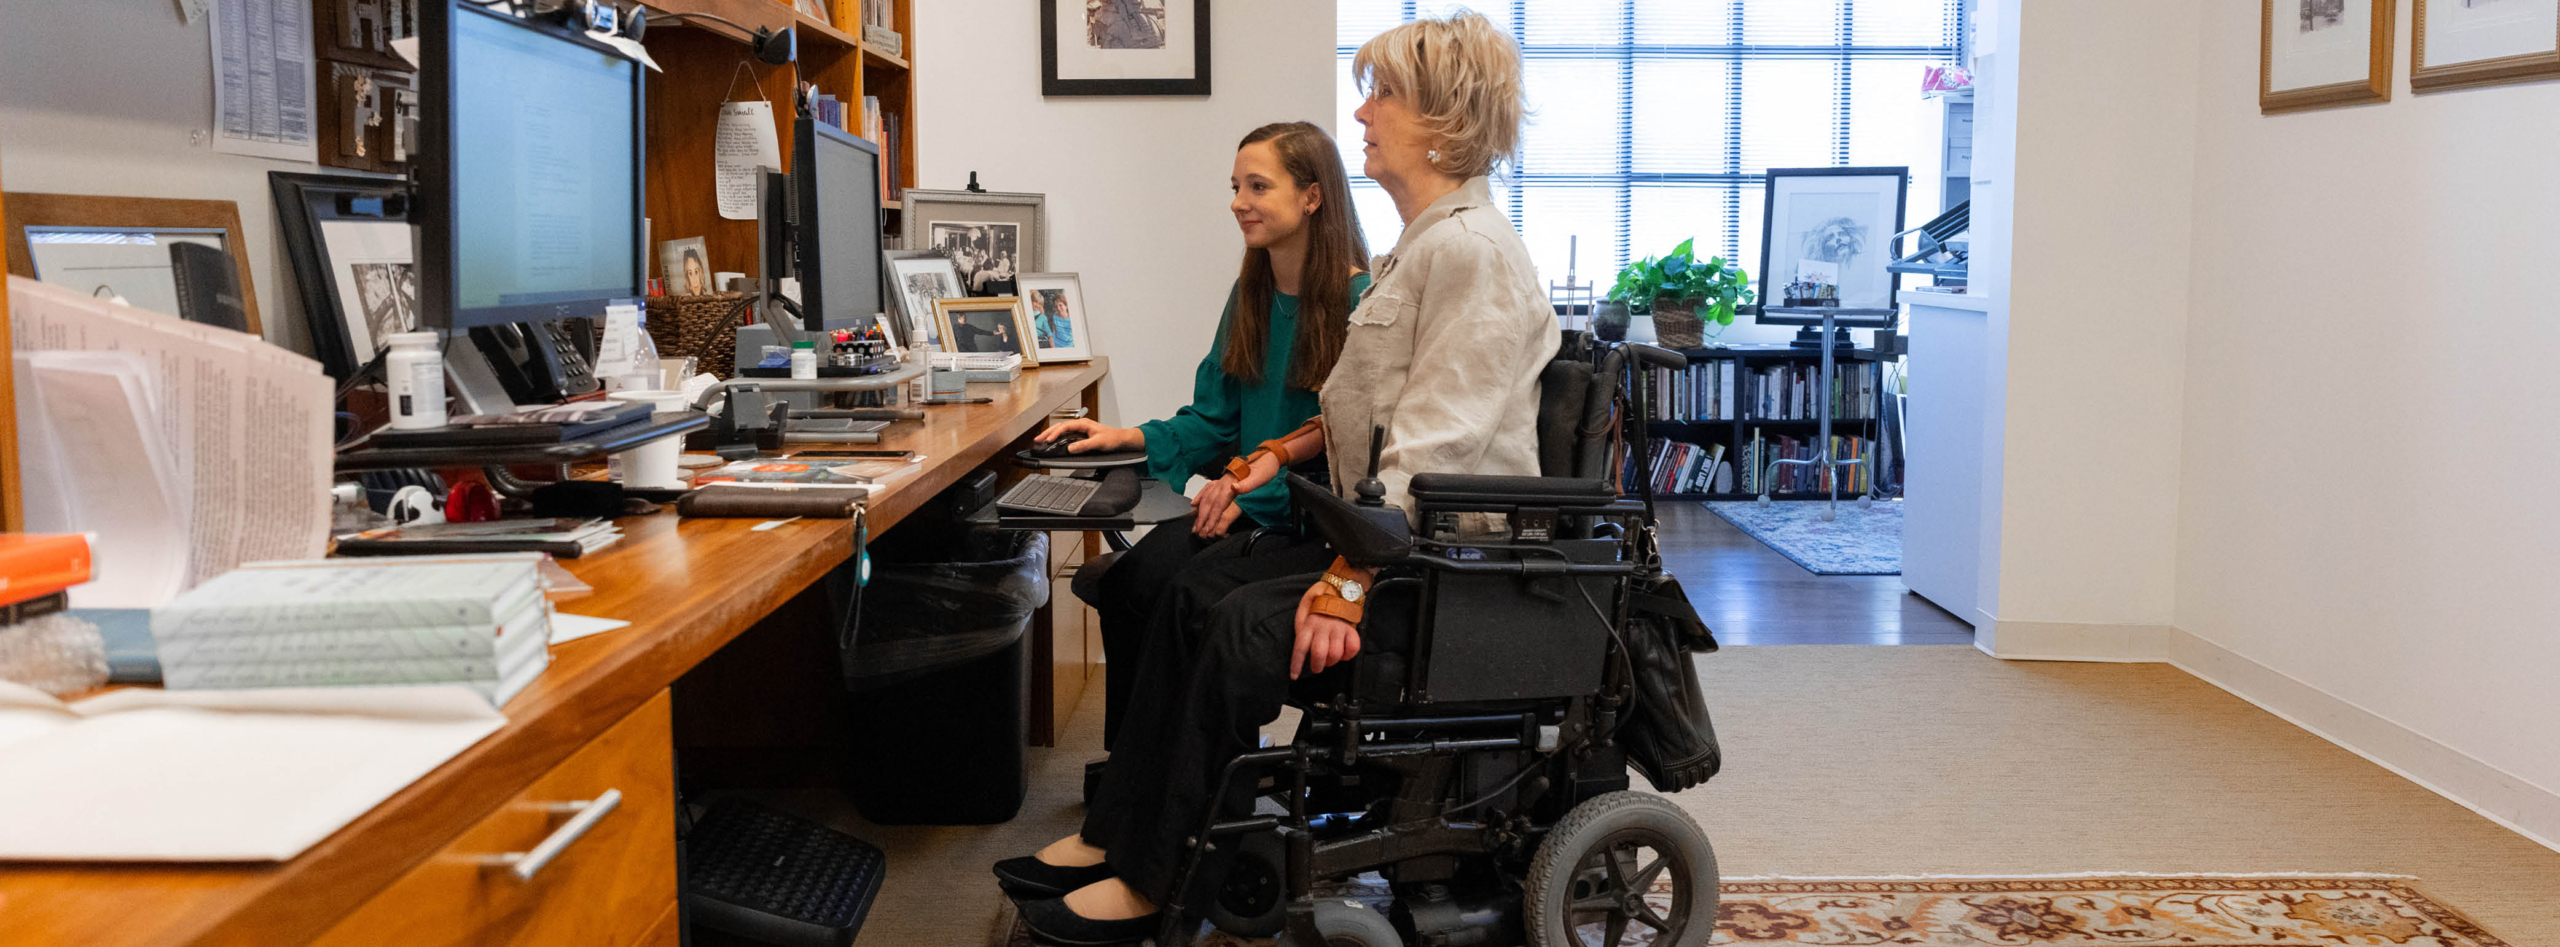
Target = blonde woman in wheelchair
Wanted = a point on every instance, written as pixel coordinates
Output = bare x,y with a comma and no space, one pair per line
1444,356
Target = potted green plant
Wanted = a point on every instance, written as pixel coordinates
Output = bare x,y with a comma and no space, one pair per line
1683,292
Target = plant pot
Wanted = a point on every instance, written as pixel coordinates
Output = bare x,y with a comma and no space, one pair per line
1676,322
1609,321
1640,329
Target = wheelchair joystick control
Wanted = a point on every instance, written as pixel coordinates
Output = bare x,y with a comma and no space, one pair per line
1373,492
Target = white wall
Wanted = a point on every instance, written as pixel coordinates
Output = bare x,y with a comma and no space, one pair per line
2367,447
102,98
1137,186
2095,313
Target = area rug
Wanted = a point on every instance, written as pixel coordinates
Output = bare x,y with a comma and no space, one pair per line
1859,542
2200,911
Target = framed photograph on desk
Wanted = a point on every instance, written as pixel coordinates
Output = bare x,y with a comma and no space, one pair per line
1058,318
121,245
352,254
917,278
985,325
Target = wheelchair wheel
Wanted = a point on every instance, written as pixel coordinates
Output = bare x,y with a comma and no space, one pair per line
1619,864
1253,899
1347,924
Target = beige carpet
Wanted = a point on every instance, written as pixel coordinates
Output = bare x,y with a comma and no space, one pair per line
1895,761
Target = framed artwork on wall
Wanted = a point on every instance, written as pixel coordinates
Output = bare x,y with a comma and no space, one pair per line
1124,47
2316,54
2463,44
987,325
1059,322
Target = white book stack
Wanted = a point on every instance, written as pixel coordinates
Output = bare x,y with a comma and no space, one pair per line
480,622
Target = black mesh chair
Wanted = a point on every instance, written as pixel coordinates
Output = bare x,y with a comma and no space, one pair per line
1479,763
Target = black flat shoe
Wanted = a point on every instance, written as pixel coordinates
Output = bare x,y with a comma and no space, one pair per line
1053,922
1030,878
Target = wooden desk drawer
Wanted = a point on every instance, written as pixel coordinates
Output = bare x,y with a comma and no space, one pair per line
609,886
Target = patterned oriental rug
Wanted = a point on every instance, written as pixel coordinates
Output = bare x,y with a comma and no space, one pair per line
1858,542
2199,911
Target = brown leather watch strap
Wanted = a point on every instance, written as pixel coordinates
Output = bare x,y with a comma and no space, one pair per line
1332,606
1239,468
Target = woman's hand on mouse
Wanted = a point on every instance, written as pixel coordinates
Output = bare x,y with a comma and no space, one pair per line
1098,437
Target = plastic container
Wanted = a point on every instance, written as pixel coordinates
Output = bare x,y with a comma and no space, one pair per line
651,466
940,670
804,360
415,371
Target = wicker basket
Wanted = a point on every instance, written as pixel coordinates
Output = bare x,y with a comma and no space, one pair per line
704,327
1677,326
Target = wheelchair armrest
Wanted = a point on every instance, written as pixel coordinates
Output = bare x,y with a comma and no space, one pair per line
1495,493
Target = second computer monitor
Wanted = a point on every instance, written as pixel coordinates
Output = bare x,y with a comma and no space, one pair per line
836,183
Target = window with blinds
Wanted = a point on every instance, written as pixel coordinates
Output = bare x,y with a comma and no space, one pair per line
1651,121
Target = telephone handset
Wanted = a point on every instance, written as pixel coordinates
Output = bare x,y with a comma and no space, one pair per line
537,363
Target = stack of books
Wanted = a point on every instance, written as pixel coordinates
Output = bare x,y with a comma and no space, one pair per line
481,622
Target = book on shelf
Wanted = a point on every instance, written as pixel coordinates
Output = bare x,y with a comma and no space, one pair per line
878,30
1701,392
483,623
1765,449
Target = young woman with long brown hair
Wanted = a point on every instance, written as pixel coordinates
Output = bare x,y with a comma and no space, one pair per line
1277,339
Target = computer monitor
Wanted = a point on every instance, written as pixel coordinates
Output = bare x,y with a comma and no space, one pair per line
835,179
528,174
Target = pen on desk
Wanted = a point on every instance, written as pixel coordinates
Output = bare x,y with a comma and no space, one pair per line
955,400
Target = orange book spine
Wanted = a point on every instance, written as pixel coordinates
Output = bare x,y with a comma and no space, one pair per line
34,565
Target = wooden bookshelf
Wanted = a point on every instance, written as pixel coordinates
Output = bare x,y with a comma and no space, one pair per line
1735,432
702,60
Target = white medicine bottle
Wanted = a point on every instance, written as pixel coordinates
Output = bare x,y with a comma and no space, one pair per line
414,370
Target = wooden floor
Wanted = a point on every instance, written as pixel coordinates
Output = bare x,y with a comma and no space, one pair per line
1751,595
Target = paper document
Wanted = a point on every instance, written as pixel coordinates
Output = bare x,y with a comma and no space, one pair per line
567,627
94,457
262,75
744,144
152,775
246,426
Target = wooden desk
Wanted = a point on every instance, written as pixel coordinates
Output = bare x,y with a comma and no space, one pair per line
687,587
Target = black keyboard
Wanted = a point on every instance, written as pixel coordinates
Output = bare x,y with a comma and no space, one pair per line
1048,496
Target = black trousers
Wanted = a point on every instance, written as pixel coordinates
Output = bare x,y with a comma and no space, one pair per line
1200,699
1170,577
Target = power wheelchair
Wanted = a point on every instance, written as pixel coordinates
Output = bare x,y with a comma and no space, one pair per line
1480,767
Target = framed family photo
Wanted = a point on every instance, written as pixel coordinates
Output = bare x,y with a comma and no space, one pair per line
1059,324
916,279
987,325
2315,54
2463,44
1124,47
991,237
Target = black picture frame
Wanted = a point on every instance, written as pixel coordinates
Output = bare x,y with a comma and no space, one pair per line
1768,310
303,202
1197,84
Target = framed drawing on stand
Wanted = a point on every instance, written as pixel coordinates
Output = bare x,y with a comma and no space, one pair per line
351,248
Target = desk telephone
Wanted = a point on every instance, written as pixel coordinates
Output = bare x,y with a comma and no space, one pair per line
537,363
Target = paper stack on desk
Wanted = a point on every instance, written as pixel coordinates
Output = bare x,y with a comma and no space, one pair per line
482,624
182,449
151,775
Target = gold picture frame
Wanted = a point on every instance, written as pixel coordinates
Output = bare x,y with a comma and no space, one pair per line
2524,67
137,214
2374,87
953,315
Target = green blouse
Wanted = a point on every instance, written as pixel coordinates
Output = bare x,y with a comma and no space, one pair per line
1228,416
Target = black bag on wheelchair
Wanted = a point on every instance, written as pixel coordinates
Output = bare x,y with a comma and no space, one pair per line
1667,734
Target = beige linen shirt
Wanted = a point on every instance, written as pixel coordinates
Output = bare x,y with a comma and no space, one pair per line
1444,352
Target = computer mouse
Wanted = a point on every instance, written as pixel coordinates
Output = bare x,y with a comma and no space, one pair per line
1058,447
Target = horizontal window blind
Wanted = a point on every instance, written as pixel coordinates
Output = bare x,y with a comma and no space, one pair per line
1652,120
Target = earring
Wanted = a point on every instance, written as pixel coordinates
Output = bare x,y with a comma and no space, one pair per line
1433,154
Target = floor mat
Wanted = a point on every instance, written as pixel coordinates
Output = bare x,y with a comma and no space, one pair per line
2197,911
1858,542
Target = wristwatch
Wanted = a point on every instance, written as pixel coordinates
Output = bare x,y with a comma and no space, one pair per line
1347,587
1347,601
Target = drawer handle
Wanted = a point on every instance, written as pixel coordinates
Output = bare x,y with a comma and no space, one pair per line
589,812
